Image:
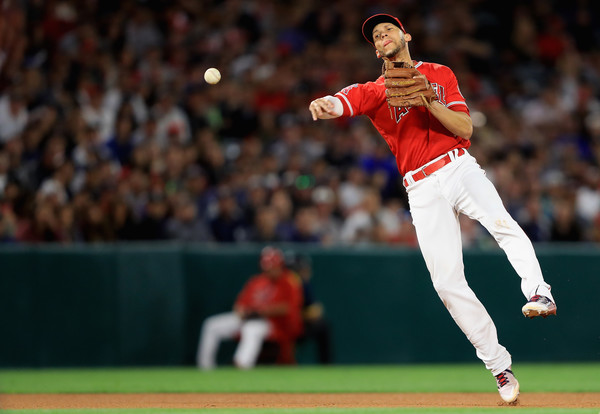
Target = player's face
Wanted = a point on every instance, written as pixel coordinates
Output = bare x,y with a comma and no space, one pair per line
388,39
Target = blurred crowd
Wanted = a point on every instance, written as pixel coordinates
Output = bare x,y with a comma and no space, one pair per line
108,131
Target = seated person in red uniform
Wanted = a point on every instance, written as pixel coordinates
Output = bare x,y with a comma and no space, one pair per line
267,309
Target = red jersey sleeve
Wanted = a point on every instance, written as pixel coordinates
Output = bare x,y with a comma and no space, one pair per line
359,98
450,95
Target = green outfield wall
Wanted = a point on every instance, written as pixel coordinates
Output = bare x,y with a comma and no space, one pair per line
134,305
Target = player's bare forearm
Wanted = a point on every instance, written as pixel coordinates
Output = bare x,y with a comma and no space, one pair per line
459,123
327,107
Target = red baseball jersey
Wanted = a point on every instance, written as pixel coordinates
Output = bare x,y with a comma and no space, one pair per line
261,291
414,136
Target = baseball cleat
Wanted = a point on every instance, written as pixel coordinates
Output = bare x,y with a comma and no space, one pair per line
508,386
539,305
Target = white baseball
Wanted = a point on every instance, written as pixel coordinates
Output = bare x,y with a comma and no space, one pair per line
212,76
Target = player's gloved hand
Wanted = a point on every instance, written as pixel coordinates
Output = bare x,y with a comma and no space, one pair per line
406,86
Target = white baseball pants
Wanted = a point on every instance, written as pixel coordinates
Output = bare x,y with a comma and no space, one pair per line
435,203
227,326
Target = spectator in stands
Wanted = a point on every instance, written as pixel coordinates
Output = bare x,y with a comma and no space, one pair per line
565,226
533,221
267,309
13,115
265,229
363,223
185,225
281,201
305,228
8,223
328,224
228,224
42,227
154,222
122,220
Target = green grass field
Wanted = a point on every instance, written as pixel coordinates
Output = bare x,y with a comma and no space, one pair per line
473,378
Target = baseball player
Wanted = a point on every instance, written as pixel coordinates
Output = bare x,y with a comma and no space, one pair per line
419,110
267,308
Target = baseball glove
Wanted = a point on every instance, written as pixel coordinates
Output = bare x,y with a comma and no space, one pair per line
405,86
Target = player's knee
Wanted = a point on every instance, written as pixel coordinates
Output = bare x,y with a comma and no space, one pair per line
211,325
501,224
255,328
442,290
447,289
208,322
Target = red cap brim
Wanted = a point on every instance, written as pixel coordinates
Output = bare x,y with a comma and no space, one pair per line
371,22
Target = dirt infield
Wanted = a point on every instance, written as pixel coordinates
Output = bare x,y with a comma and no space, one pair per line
277,400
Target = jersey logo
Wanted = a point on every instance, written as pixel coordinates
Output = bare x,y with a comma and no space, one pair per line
399,112
440,91
349,88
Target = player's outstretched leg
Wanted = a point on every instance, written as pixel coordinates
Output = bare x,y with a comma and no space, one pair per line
477,198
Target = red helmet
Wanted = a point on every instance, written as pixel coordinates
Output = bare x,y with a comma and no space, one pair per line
271,258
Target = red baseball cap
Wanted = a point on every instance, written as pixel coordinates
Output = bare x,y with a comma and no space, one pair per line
371,22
